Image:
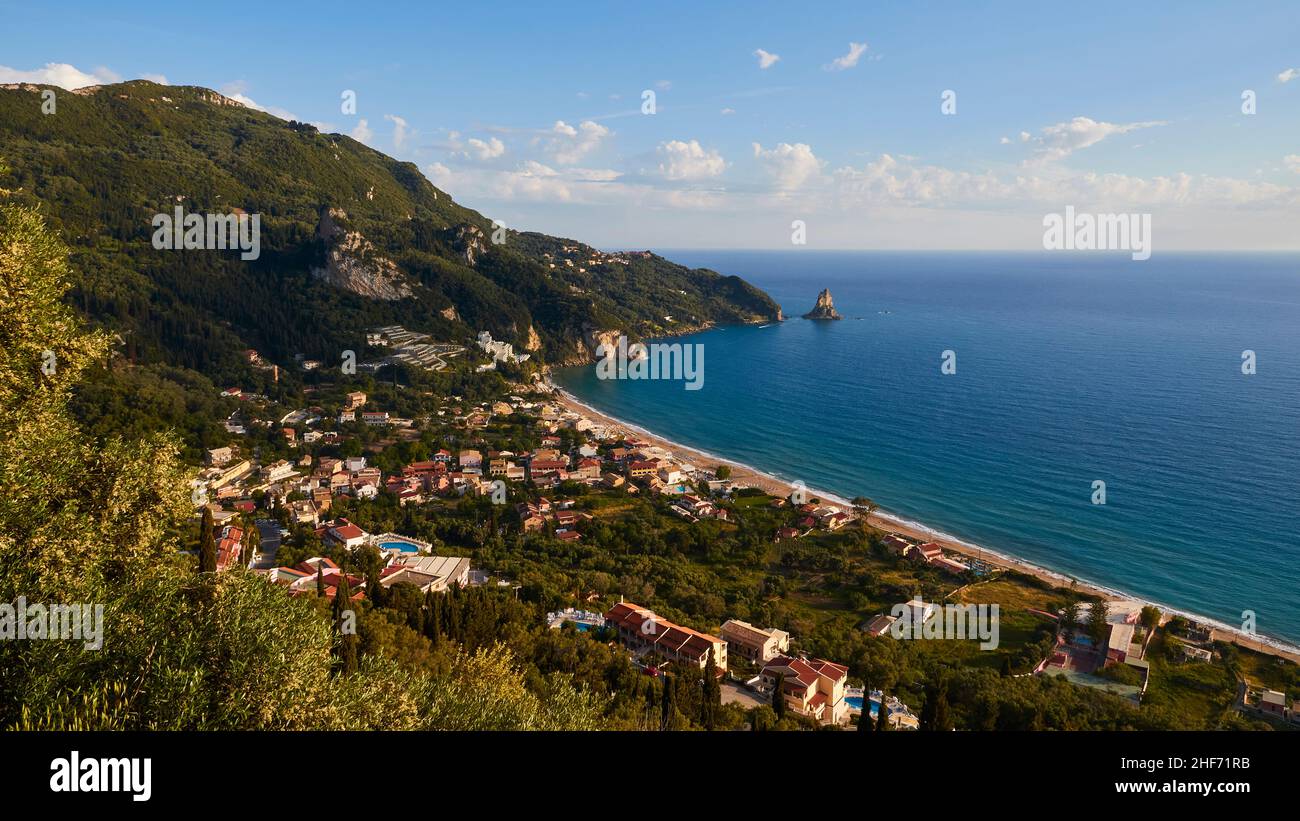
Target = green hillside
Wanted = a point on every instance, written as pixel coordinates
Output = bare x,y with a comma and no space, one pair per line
111,157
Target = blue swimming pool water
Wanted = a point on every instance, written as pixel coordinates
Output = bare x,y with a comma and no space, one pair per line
405,547
856,703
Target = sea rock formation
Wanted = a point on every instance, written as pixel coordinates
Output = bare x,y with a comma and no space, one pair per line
825,307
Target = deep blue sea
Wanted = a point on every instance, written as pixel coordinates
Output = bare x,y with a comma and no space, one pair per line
1070,368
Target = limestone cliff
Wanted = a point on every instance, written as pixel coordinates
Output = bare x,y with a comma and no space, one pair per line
352,263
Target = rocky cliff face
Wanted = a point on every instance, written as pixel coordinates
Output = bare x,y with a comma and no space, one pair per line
471,243
352,263
825,307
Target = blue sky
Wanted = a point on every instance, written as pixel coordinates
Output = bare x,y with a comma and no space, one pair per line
532,114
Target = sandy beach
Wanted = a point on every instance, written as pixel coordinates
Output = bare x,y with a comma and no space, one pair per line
745,475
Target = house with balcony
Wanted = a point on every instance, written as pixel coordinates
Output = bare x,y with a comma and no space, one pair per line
643,632
750,642
811,687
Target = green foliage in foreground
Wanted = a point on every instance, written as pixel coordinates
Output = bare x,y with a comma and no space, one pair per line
99,523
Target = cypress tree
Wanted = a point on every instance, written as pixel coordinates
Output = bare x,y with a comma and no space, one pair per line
882,717
864,718
712,695
347,652
207,543
928,710
778,697
375,589
666,716
650,703
942,721
252,541
320,580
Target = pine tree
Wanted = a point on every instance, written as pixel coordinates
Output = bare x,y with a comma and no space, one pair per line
207,543
1098,622
1069,623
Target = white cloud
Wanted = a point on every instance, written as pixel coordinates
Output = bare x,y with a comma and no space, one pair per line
235,91
766,59
679,160
481,151
889,180
160,79
568,145
1056,142
274,111
530,181
727,111
909,203
664,85
399,129
1004,141
1288,75
856,50
1292,162
62,75
789,166
362,132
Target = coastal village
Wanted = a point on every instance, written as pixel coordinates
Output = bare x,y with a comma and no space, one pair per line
567,470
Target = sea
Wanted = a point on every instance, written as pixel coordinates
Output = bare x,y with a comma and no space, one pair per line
1068,369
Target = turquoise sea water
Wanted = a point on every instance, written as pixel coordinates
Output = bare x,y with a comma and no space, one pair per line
1071,368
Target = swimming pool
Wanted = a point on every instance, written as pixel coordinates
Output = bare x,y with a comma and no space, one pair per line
405,547
855,702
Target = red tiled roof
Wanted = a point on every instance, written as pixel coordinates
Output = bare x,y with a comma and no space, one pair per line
348,531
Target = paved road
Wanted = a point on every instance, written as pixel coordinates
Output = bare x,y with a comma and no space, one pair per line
734,693
269,531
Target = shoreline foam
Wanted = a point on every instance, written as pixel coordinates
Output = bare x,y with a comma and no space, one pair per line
770,482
